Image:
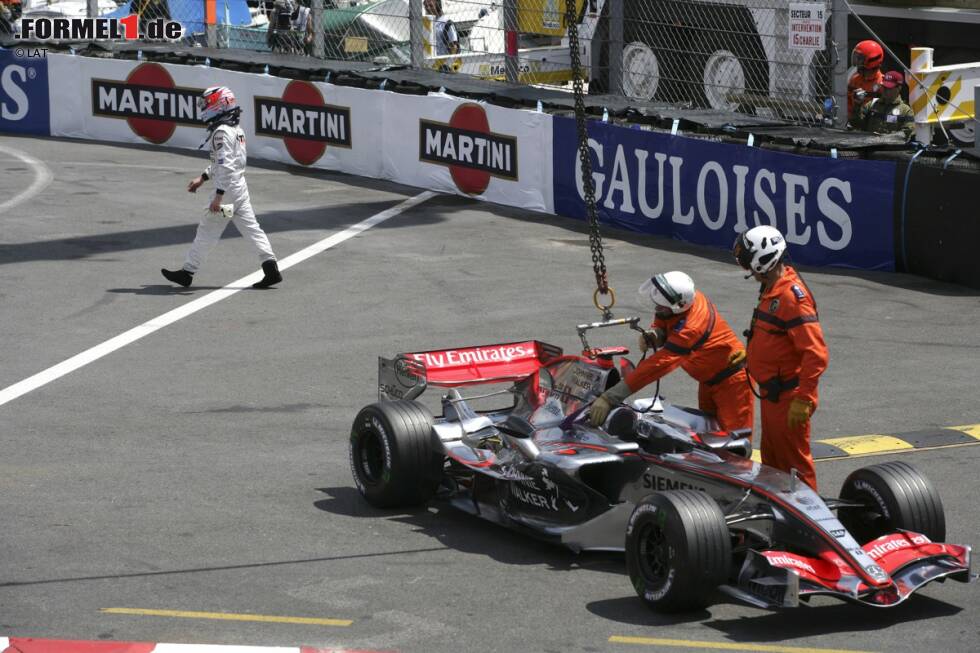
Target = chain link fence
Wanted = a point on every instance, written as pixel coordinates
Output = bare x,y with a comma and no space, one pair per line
764,57
770,58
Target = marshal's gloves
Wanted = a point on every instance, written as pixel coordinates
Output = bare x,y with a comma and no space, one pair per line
799,412
653,337
599,411
607,401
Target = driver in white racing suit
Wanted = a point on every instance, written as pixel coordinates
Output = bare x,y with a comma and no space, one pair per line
221,112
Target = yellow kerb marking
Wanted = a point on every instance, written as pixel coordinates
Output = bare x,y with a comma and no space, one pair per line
226,616
861,444
973,430
725,646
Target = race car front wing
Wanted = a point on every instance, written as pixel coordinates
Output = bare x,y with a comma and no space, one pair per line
778,579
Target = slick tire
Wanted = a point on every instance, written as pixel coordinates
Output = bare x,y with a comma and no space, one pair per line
394,456
896,496
678,550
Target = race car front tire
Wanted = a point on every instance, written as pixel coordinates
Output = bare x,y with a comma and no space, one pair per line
895,496
678,550
394,455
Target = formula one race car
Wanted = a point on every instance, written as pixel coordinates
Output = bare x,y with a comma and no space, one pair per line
691,509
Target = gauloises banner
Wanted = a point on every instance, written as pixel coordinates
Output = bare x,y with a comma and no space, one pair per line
24,104
832,211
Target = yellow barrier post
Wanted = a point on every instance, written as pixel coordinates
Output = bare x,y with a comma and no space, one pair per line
940,93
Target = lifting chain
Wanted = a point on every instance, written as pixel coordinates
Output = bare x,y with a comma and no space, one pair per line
595,238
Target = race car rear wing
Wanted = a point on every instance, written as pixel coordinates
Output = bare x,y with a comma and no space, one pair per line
408,375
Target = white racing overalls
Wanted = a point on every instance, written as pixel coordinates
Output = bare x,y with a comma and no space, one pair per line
227,169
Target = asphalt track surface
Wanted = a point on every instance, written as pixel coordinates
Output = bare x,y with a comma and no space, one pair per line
203,468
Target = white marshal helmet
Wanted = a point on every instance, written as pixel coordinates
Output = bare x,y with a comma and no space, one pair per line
672,290
759,249
215,102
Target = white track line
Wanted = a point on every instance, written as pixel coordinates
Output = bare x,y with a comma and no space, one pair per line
95,353
42,177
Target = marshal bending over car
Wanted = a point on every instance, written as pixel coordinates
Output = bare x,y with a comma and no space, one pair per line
692,510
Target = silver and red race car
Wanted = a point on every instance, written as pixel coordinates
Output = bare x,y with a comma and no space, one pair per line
685,501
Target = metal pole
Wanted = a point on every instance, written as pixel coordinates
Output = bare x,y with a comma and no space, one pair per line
93,8
976,120
317,10
211,28
921,64
615,47
838,27
510,40
416,34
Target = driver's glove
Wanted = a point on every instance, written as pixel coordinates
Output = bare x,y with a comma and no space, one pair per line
606,401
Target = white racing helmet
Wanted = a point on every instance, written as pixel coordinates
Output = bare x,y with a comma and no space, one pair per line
759,249
215,102
671,293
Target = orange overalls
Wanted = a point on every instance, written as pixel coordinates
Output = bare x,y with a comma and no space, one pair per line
870,84
701,342
786,356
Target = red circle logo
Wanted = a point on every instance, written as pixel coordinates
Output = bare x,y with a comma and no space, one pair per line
470,117
304,151
152,75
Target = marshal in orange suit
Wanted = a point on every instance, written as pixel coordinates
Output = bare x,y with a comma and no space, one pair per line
693,336
786,352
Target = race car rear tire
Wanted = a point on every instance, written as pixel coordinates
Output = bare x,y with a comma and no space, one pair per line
394,456
678,550
896,496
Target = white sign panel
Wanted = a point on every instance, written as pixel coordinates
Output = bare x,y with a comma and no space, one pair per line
470,148
807,26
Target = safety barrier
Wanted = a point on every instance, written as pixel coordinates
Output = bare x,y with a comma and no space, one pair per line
936,235
833,211
943,94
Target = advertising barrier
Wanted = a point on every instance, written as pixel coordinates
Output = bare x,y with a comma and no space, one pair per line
452,145
436,141
24,98
290,121
832,212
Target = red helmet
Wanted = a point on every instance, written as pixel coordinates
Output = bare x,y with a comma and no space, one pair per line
867,54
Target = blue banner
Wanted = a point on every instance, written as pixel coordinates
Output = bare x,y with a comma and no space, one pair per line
832,211
24,105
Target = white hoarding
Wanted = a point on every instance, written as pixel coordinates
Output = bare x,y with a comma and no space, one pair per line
290,121
470,148
436,142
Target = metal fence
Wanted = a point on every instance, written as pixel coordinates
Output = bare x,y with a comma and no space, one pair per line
770,58
763,57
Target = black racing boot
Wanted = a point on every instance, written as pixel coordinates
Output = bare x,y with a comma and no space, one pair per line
180,277
272,275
